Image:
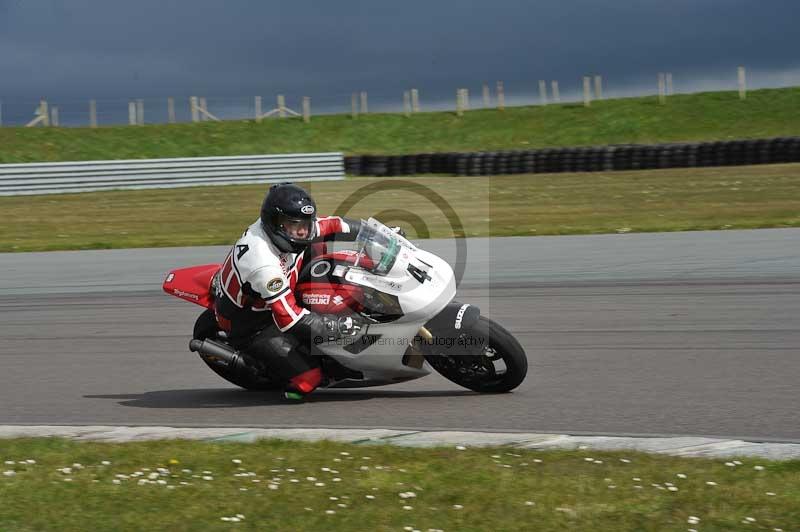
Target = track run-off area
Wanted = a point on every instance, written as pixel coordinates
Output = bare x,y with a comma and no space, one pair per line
694,333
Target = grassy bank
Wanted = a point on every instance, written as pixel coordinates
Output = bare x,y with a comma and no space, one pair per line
704,116
274,485
540,204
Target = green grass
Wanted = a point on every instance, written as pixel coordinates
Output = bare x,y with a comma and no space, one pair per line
539,204
496,488
703,116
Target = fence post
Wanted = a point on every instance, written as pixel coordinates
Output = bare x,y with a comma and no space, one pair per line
662,96
487,100
406,103
171,110
556,93
542,92
140,112
1,113
257,104
281,106
354,106
465,99
742,83
459,103
44,112
193,108
598,87
204,107
587,91
501,96
414,101
364,108
670,92
131,113
306,109
54,113
92,113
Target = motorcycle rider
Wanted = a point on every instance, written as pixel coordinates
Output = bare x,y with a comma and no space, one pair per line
255,303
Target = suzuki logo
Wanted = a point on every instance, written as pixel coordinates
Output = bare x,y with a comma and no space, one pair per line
460,315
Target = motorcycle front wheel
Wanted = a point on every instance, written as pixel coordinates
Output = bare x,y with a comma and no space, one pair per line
486,358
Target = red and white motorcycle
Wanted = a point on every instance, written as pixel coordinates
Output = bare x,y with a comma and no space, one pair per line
403,292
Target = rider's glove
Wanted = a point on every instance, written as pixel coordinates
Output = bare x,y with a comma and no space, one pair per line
398,230
350,325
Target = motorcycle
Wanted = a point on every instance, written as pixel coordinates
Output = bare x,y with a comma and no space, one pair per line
406,296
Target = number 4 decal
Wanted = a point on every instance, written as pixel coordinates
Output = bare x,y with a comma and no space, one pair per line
241,250
418,274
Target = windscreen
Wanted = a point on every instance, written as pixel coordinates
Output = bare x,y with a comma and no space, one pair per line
379,244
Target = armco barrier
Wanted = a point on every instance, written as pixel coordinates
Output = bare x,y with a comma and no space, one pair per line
582,159
54,178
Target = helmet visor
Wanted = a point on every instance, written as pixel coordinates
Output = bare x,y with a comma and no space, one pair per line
297,229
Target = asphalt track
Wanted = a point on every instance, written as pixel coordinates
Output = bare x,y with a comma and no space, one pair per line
674,333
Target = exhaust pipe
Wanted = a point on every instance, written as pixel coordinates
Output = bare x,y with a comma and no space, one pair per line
216,353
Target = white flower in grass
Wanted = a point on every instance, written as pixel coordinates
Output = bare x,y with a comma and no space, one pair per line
408,507
330,512
290,470
143,481
588,459
9,462
337,459
242,489
529,503
344,453
680,475
370,497
537,461
637,487
730,464
226,519
66,470
342,505
152,476
9,473
460,448
770,494
272,486
583,447
161,482
240,516
711,483
737,462
366,458
307,509
186,471
408,528
255,481
668,484
116,481
105,462
311,479
759,468
236,461
636,479
691,530
750,519
293,480
319,484
598,461
458,507
612,487
407,495
672,488
207,477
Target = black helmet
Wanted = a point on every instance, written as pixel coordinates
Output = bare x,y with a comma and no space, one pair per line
288,216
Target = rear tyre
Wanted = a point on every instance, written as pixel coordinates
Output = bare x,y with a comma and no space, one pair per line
242,376
498,363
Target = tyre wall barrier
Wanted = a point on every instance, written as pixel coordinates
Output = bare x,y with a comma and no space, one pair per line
581,159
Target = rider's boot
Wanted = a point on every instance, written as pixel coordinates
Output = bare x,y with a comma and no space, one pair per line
303,384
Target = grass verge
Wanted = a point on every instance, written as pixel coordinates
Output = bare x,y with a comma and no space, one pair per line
279,485
538,204
690,117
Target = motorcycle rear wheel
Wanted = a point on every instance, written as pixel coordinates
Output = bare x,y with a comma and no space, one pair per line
477,368
206,327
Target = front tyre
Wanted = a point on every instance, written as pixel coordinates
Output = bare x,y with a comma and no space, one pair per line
244,377
491,361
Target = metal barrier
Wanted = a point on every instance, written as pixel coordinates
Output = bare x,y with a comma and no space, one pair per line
59,178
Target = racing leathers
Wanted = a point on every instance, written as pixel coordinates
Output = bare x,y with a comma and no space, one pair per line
255,304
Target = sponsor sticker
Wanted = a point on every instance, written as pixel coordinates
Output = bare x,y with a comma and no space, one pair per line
338,300
307,209
274,285
170,277
316,299
181,293
460,315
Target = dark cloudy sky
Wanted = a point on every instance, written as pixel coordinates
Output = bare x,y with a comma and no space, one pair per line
153,48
